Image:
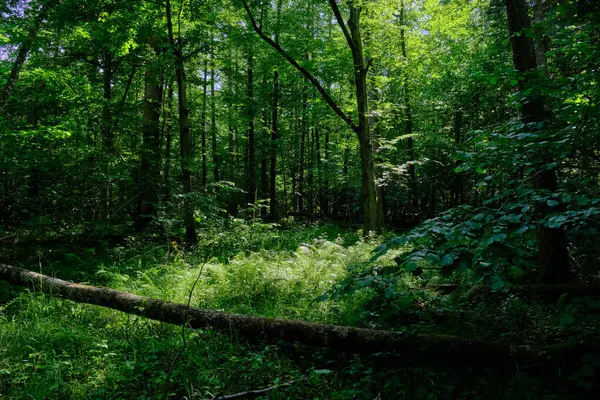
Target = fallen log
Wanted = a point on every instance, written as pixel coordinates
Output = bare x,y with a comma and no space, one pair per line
432,348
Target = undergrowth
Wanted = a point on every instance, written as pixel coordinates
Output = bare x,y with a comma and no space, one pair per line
57,349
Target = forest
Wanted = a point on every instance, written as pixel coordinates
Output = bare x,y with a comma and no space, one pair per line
299,199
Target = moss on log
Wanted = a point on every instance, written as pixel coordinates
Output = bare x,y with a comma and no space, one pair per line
440,348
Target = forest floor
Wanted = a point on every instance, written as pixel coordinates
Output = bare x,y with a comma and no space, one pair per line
58,349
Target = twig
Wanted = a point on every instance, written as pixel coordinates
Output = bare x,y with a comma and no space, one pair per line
184,345
253,393
5,238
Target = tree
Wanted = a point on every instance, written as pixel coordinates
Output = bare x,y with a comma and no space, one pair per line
149,175
24,49
184,130
552,243
352,34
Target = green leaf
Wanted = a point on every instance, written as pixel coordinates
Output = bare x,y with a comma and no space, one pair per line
582,200
522,229
322,298
323,371
365,282
552,203
475,226
411,265
498,237
448,259
497,284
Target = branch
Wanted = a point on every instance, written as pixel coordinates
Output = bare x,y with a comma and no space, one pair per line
303,70
342,24
253,393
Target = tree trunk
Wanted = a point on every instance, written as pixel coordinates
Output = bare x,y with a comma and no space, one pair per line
106,133
149,175
552,243
311,175
325,166
318,160
184,133
203,138
24,49
213,124
168,115
251,186
408,115
265,139
371,209
275,127
274,139
303,128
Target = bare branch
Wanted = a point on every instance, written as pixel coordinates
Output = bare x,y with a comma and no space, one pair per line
342,24
303,70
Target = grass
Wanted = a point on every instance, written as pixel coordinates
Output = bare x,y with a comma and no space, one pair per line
55,349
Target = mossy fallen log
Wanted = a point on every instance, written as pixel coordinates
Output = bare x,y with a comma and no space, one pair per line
431,348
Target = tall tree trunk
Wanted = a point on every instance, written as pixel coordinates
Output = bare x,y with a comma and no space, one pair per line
231,156
213,123
552,243
265,139
106,133
303,129
458,189
318,160
24,49
311,175
325,167
540,37
274,139
408,114
149,175
168,116
251,140
275,127
371,209
203,138
184,133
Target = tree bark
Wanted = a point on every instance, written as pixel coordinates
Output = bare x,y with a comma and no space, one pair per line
408,115
203,138
274,139
251,185
168,116
149,175
303,129
427,348
184,133
106,133
275,127
213,124
370,200
552,243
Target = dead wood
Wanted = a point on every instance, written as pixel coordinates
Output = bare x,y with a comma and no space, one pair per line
428,348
